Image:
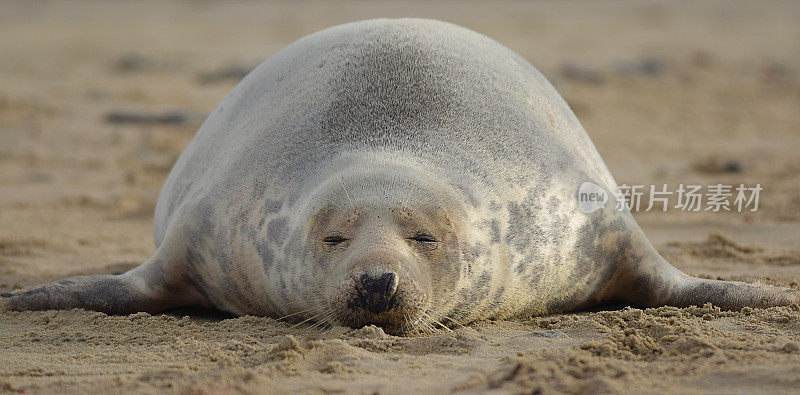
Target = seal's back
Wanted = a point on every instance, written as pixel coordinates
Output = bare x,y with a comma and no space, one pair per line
446,95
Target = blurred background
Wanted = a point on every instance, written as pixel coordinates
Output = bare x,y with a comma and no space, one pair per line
98,99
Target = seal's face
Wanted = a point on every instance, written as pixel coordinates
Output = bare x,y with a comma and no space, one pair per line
386,260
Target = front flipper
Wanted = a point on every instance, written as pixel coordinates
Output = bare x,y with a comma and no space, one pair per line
115,294
156,285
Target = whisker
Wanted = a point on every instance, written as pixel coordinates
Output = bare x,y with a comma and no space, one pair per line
408,326
429,323
316,324
303,322
333,202
322,321
403,202
454,321
306,331
305,301
341,181
294,314
423,325
319,319
442,325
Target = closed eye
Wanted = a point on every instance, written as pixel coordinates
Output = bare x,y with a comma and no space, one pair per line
334,240
423,238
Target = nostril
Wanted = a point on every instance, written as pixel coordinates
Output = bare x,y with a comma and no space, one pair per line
385,285
375,292
388,284
364,284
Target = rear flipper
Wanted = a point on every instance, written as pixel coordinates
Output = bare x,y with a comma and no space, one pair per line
657,283
728,295
149,288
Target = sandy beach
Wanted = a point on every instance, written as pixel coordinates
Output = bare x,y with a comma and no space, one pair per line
98,99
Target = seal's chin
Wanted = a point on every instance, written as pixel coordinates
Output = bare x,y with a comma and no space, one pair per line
394,321
397,317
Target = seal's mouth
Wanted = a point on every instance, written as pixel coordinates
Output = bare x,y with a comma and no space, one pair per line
380,300
393,315
395,319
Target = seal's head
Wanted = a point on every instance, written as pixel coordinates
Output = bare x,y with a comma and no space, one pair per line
385,246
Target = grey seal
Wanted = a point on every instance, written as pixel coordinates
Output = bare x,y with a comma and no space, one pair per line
407,173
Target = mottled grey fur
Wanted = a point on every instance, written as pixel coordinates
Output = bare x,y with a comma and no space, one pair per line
422,100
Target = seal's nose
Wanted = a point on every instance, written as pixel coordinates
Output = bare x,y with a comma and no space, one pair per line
375,293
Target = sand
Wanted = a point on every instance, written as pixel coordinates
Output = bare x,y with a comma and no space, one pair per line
97,100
